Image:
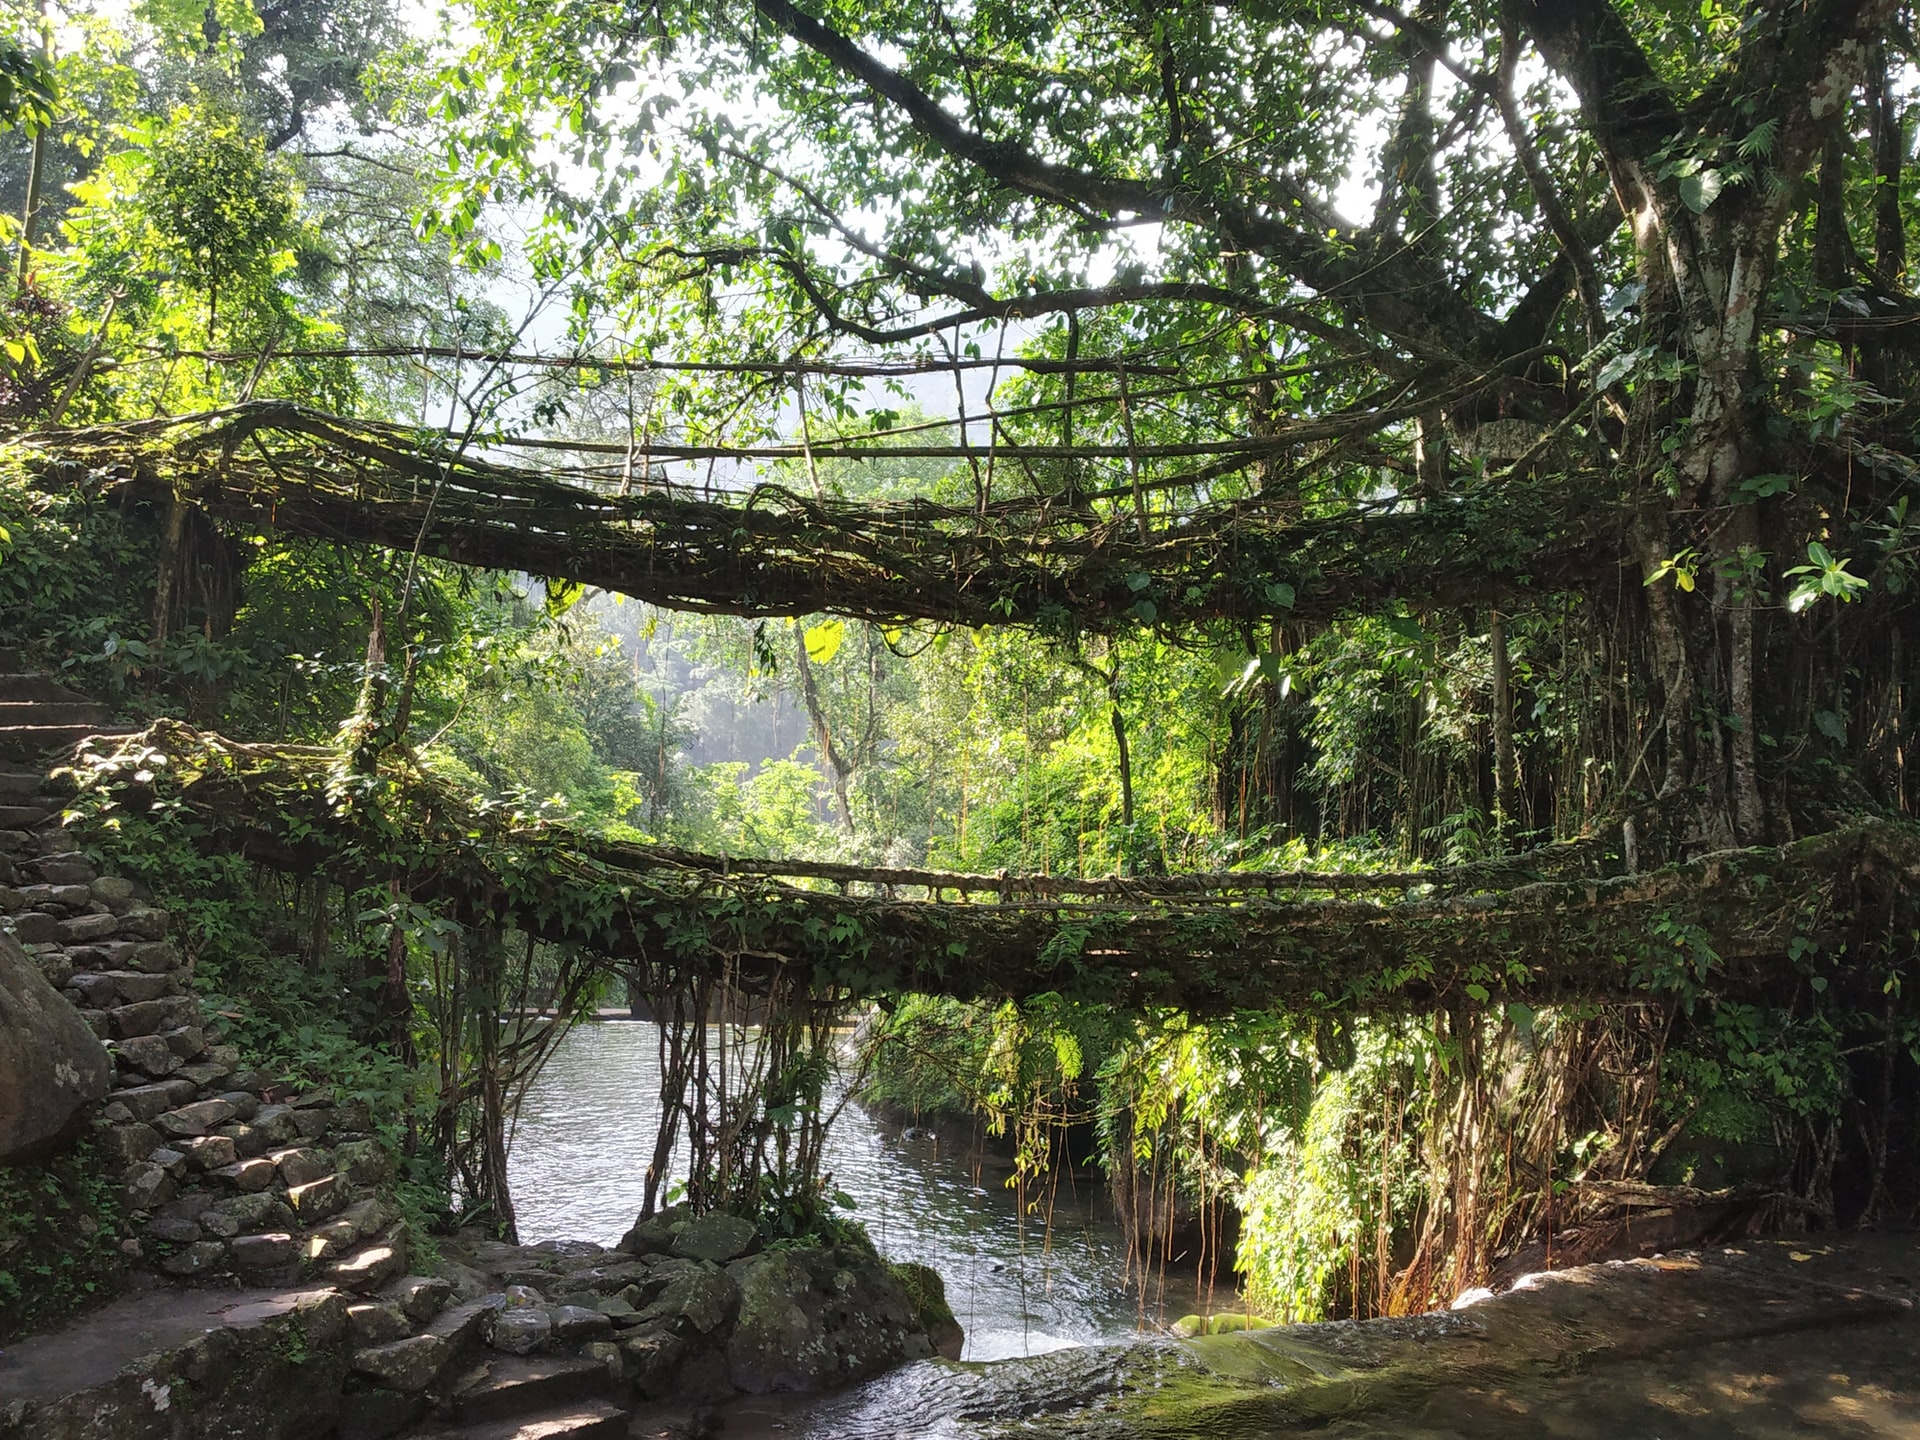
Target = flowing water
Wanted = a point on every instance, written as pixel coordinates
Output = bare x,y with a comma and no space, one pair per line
1020,1284
1058,1346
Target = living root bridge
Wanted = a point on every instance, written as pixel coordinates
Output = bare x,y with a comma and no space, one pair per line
770,551
1534,929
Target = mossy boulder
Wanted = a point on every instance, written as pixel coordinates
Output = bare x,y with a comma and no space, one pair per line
654,1234
53,1069
927,1293
817,1318
1227,1322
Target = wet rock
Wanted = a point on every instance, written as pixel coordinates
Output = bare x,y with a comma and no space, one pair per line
818,1319
717,1237
605,1279
926,1292
528,1279
53,1068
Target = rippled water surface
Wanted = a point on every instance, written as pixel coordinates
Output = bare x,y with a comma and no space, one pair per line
1051,1312
1020,1285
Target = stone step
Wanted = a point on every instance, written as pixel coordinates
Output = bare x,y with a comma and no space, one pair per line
517,1385
18,786
27,685
38,742
589,1420
79,711
24,817
372,1266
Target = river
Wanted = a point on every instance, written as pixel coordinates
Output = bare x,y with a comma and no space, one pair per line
1736,1343
1020,1284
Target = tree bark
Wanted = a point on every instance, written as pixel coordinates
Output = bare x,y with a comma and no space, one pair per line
838,771
1506,779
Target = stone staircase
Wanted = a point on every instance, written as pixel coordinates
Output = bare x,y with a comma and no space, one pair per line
239,1180
534,1398
39,719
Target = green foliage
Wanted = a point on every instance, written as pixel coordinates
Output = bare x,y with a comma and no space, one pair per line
928,1056
1318,1200
67,596
27,87
296,989
60,1229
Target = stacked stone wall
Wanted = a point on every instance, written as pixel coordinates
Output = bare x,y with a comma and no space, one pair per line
227,1175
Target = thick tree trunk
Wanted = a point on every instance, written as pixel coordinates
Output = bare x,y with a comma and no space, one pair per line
1506,777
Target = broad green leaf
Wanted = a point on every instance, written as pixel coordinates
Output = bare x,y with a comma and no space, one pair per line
1698,192
823,640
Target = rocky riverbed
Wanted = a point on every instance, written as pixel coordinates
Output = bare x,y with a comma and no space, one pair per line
1770,1339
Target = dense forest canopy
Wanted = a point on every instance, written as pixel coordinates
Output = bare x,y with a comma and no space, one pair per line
1104,440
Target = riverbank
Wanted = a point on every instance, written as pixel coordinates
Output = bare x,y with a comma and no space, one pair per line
1021,1281
1767,1340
